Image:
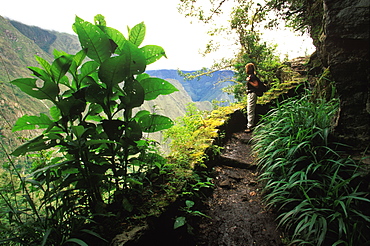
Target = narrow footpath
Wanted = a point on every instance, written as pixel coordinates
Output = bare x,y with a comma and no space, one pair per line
238,216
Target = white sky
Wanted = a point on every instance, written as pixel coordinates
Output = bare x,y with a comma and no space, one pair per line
181,40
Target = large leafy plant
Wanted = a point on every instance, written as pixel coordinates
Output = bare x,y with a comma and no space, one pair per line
92,123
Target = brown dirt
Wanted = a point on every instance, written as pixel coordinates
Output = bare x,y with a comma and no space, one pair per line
238,216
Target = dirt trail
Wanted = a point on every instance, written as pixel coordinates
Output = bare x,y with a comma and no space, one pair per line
238,217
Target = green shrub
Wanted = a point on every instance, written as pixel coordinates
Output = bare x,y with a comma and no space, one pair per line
196,132
101,158
314,186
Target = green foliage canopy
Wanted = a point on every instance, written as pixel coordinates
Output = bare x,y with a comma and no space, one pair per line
247,20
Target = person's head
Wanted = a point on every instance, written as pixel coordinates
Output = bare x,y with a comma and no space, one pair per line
250,69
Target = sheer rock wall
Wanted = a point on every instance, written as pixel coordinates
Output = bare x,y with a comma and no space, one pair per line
344,48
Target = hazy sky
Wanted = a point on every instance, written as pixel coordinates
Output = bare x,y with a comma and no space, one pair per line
165,26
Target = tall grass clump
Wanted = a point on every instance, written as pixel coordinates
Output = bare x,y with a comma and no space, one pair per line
315,187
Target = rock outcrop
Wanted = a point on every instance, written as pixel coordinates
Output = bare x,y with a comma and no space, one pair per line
344,49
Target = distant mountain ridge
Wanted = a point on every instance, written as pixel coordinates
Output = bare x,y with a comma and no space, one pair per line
49,40
20,43
206,88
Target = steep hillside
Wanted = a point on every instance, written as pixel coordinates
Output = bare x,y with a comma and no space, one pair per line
19,44
49,40
16,53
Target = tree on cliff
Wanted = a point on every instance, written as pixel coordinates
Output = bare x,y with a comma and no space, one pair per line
342,48
245,25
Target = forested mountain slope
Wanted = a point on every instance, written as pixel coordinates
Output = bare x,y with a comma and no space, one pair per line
16,53
19,44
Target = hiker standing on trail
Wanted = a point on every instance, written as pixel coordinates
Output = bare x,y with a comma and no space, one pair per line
253,88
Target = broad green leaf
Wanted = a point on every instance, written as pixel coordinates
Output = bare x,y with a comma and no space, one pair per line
60,66
71,106
59,53
87,68
154,87
180,221
96,118
93,39
70,171
96,94
137,59
39,72
114,70
46,65
142,76
32,122
137,34
80,57
36,144
113,128
78,130
77,61
93,113
49,89
95,109
54,133
153,53
154,123
134,95
117,37
141,113
133,131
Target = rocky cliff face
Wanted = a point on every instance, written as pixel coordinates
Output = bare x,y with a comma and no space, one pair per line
344,49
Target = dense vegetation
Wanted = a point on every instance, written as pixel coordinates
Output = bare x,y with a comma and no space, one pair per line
316,188
320,192
91,153
91,168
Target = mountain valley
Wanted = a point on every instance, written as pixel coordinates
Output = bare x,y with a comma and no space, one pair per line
20,44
